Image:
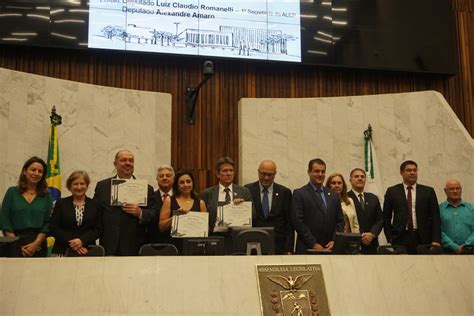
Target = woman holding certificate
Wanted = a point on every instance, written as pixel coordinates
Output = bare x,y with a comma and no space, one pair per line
183,201
75,221
26,209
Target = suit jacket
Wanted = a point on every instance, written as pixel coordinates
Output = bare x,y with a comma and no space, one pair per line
312,222
121,231
211,197
370,219
153,233
427,213
279,216
63,225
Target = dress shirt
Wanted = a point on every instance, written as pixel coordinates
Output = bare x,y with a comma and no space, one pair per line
457,224
222,193
170,193
321,194
413,203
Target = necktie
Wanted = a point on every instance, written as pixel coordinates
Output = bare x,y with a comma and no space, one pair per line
227,195
165,195
361,200
323,198
409,207
265,203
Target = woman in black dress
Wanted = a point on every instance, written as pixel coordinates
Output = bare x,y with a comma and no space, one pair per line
184,200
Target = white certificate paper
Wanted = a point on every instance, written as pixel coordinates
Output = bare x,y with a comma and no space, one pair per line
129,191
191,224
234,215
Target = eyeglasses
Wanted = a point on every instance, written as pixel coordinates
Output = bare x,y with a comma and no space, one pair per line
266,174
454,189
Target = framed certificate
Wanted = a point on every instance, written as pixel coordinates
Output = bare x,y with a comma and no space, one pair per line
129,191
234,215
191,224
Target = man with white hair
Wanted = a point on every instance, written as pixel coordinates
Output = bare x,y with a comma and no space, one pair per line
457,219
165,179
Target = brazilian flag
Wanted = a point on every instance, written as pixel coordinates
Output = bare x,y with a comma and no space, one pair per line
53,176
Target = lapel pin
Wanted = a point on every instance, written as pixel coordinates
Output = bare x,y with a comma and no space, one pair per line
276,194
329,193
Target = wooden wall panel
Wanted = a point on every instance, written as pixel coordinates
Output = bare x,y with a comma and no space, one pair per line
215,132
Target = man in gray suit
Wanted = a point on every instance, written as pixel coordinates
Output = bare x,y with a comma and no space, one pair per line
225,192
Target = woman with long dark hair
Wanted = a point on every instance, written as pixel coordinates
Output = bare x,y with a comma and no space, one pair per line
184,200
26,209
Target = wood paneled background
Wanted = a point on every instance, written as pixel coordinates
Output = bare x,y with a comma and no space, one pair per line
215,132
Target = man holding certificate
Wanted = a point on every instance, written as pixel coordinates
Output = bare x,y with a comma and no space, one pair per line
226,192
126,206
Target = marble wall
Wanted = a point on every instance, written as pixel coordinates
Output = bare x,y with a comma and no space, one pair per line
420,126
97,122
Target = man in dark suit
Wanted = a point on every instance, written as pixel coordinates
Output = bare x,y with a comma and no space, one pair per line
316,211
415,212
165,179
123,227
225,192
369,212
273,205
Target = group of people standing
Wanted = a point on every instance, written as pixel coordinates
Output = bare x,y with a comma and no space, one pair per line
410,216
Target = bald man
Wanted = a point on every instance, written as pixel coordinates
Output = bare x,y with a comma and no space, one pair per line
457,219
123,227
273,204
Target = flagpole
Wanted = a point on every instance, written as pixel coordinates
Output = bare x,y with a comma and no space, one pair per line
53,176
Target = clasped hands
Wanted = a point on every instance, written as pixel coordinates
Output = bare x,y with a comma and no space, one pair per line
76,245
29,250
328,246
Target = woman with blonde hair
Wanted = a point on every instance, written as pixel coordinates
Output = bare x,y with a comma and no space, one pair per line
75,222
336,182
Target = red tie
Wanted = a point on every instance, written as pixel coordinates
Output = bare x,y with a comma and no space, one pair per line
410,211
165,195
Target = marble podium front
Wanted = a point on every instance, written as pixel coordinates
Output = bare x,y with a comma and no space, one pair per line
355,285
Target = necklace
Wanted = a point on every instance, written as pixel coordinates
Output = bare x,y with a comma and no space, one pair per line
29,195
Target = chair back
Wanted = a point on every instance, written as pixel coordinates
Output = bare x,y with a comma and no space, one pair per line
158,250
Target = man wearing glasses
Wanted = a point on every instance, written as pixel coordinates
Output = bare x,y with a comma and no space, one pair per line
272,203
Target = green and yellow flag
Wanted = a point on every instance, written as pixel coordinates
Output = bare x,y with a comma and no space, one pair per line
53,176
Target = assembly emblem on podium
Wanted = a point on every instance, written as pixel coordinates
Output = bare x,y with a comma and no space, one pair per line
292,290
